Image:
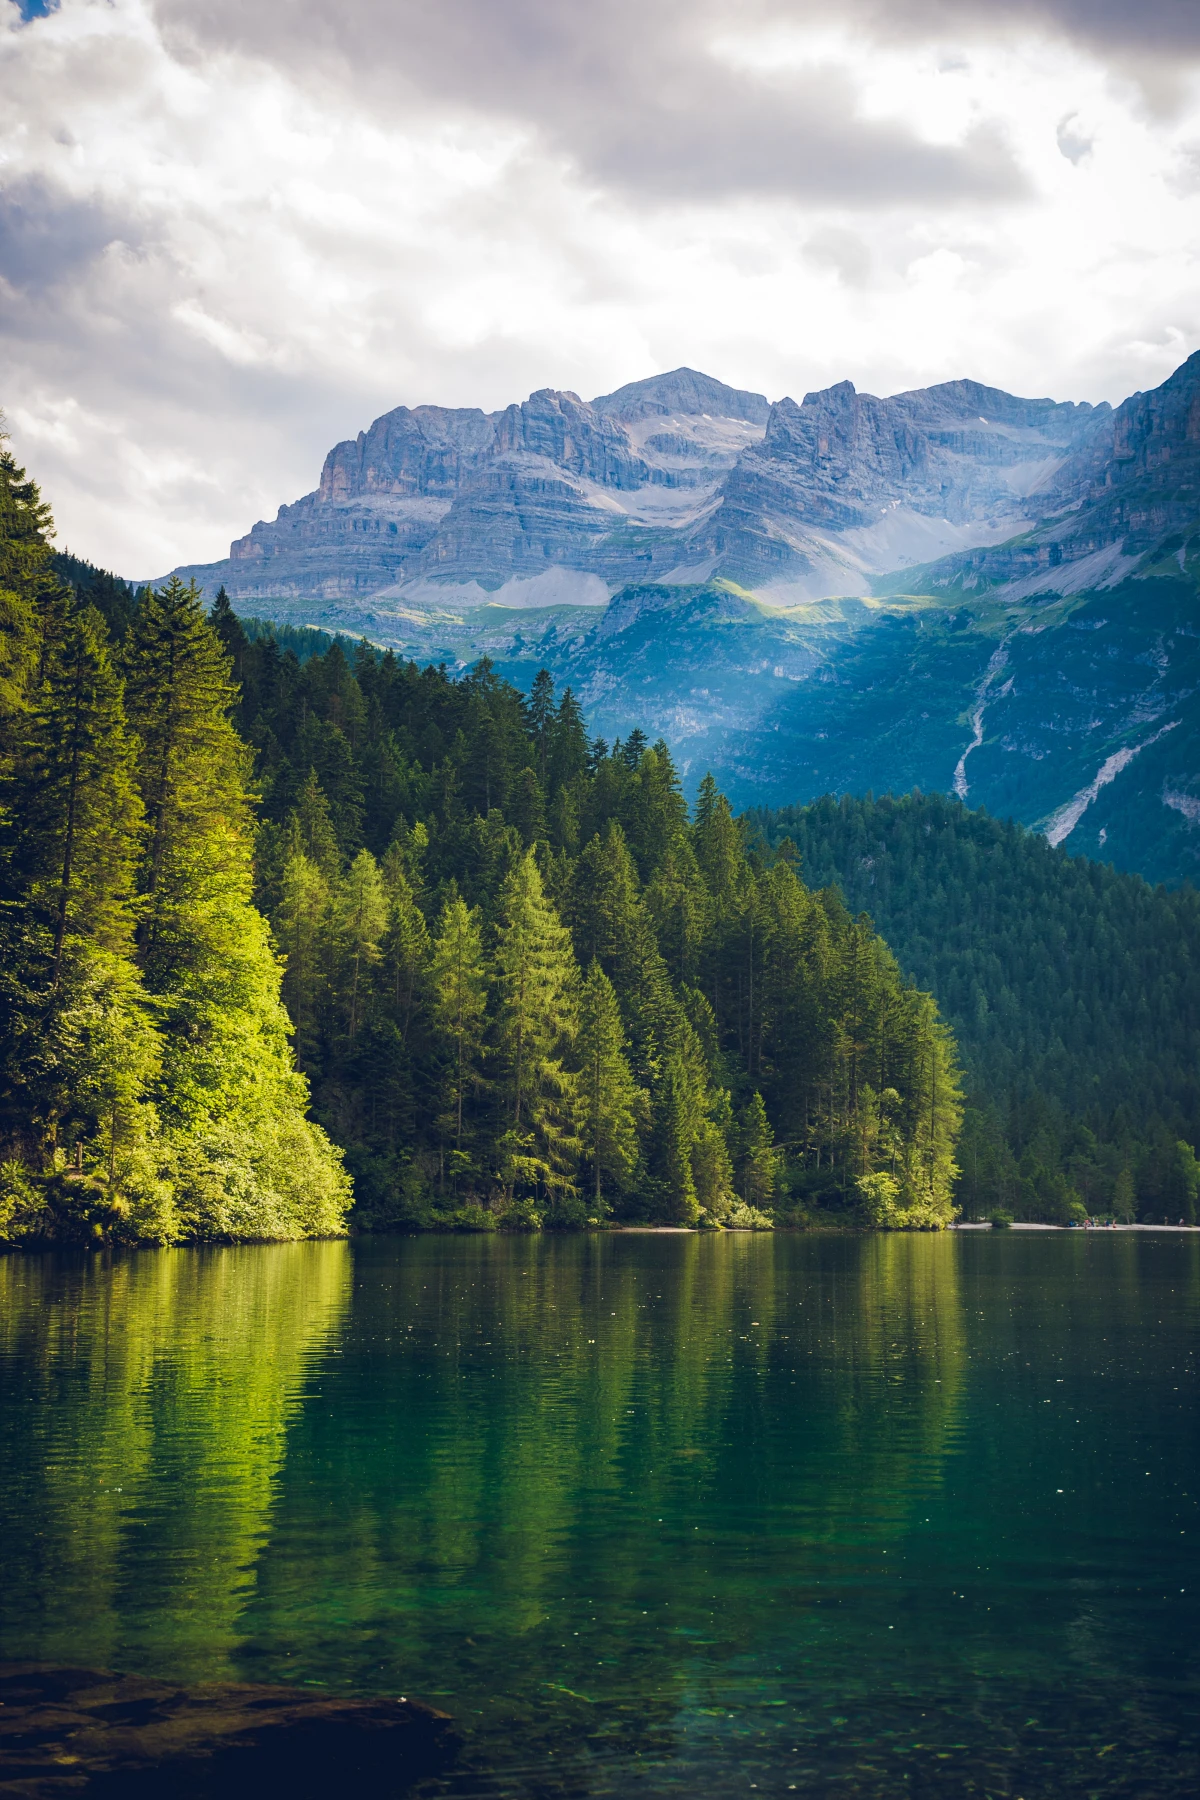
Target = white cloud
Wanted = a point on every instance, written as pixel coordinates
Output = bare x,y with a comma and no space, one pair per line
219,255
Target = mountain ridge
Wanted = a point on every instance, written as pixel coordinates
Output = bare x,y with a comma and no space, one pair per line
676,477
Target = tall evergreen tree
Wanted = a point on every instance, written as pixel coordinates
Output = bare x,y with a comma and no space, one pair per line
26,575
460,985
248,1162
611,1105
78,1047
536,979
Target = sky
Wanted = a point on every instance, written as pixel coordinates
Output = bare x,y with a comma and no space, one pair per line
232,234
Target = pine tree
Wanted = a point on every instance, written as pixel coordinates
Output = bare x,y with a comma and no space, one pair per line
460,986
541,719
611,1105
1124,1199
756,1157
247,1162
406,949
26,576
362,908
299,922
230,631
78,1046
536,978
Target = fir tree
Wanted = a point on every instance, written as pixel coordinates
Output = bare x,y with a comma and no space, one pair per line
26,575
756,1158
460,985
79,1050
536,976
247,1162
611,1106
362,921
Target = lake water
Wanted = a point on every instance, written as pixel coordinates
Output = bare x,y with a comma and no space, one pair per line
648,1514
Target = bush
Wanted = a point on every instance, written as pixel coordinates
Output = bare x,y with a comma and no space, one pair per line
748,1218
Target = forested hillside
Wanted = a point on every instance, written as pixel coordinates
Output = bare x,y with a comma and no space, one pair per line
526,988
147,1085
1073,990
523,980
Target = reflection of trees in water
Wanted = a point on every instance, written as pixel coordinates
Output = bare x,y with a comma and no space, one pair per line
539,1405
145,1431
483,1472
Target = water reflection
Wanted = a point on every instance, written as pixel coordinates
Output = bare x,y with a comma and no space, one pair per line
711,1505
147,1402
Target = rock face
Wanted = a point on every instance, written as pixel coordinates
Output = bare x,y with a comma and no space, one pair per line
674,479
1126,497
952,588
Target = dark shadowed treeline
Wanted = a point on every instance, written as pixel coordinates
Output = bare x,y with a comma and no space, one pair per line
1073,990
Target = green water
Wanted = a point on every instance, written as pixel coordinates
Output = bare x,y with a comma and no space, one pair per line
647,1514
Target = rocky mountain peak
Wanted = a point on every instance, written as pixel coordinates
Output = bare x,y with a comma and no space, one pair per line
678,477
410,451
684,392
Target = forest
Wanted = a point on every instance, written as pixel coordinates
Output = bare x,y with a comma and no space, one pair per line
273,926
1073,990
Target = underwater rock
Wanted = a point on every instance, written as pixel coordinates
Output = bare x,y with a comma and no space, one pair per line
83,1731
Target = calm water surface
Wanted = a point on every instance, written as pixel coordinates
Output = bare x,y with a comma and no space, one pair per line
648,1515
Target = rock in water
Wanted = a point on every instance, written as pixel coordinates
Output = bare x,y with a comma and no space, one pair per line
126,1737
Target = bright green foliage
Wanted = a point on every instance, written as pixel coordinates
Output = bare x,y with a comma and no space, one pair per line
729,976
79,1050
611,1105
248,1163
459,981
148,1086
438,859
536,979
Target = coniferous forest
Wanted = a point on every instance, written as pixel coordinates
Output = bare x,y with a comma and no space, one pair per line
271,923
1073,990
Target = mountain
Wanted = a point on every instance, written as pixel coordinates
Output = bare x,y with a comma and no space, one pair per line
1125,499
953,588
675,479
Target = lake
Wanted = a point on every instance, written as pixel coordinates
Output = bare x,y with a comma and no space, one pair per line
648,1514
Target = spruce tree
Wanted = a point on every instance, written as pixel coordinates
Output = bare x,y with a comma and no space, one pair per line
299,921
77,1042
406,948
459,982
247,1161
536,977
611,1105
362,908
26,576
756,1157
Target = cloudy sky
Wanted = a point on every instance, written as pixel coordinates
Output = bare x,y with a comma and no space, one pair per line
233,233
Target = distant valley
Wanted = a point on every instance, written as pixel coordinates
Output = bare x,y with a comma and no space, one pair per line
952,588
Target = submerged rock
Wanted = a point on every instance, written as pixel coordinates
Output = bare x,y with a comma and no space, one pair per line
82,1731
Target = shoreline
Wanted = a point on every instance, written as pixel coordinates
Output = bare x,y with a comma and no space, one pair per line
47,1246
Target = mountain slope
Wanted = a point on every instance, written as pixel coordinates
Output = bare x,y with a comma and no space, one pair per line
1073,990
1047,668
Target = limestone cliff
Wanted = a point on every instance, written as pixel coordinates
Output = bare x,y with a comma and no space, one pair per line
675,478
